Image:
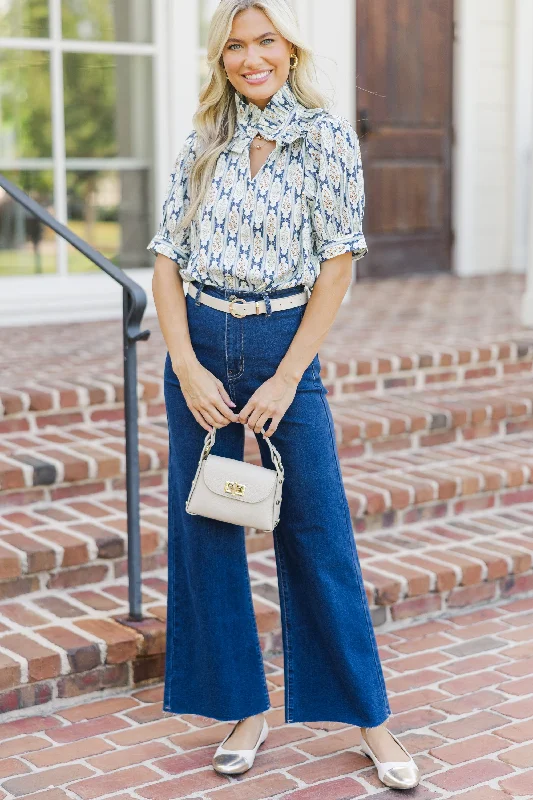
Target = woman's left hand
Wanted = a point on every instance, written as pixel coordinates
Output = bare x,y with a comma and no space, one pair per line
269,401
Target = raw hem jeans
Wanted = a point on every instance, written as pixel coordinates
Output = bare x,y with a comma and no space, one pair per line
214,663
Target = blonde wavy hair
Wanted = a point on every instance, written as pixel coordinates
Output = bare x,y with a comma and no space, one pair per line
216,116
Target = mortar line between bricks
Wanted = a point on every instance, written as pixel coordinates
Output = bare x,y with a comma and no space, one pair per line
52,391
24,667
82,393
439,648
92,547
131,793
424,570
389,479
21,554
69,625
63,527
58,465
475,540
35,636
449,677
69,450
30,605
57,548
463,612
59,704
84,609
26,469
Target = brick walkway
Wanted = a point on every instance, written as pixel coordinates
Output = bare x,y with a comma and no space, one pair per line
462,701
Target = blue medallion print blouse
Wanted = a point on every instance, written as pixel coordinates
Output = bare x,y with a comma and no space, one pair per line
272,231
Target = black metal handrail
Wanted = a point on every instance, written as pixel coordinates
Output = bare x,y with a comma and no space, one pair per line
133,308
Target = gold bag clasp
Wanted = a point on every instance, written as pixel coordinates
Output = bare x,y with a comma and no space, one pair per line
232,487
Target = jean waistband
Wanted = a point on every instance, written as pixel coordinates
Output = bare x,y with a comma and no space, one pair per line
248,294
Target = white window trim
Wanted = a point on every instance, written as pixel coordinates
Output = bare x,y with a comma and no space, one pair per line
82,297
75,45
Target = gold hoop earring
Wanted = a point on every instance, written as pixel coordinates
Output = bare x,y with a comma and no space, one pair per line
294,63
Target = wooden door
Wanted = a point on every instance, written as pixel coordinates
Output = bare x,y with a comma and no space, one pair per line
404,122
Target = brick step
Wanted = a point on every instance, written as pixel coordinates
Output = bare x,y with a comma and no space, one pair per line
76,543
85,458
76,399
423,418
60,544
95,393
381,367
443,480
62,643
77,460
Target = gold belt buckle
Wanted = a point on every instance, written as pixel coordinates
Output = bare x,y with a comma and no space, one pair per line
232,311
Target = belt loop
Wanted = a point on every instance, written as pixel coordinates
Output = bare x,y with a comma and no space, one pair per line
266,298
199,291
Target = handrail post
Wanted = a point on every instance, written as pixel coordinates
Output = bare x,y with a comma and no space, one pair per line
132,465
133,308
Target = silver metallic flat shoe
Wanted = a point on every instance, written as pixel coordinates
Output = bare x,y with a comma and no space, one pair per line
396,774
233,762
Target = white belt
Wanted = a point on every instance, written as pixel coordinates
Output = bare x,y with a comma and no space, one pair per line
246,307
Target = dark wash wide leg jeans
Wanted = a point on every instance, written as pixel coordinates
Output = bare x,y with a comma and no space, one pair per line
213,660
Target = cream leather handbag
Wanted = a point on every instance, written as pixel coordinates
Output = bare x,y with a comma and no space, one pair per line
235,491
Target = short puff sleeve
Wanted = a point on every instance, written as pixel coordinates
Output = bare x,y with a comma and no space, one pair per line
170,240
337,195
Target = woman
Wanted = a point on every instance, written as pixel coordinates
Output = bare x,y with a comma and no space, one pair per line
265,204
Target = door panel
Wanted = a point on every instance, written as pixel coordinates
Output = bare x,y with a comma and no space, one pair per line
404,105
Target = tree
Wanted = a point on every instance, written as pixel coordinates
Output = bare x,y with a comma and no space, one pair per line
89,91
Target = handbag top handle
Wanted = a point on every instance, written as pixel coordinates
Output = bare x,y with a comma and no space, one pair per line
276,458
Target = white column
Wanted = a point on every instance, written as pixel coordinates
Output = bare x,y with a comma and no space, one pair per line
330,29
465,59
527,299
58,132
183,33
161,128
522,133
175,86
483,121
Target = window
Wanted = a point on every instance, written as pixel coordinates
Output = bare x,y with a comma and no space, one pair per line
27,247
77,125
24,17
107,20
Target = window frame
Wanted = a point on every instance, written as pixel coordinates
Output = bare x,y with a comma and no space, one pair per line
57,46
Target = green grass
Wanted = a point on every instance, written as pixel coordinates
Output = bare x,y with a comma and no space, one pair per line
106,239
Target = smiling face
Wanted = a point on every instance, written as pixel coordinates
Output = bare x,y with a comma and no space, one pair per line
256,57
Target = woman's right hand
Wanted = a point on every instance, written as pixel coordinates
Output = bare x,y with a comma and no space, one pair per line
205,396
